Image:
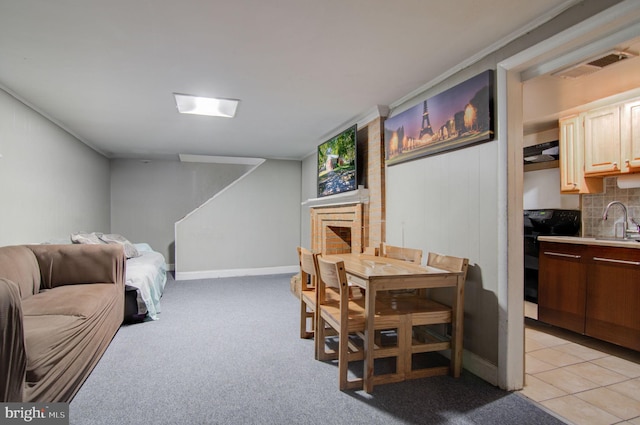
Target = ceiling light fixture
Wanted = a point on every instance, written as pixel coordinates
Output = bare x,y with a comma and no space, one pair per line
210,106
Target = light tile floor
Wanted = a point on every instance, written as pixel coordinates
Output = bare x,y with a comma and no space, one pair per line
581,380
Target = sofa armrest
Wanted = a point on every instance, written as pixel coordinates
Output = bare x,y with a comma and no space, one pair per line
79,263
13,355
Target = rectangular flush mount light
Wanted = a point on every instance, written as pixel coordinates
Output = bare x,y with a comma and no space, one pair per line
188,104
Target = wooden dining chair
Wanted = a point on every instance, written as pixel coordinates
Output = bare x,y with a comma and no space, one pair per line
412,255
308,296
406,254
346,317
422,313
371,250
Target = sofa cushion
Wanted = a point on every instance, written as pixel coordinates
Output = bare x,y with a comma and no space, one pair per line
47,339
65,328
84,300
19,265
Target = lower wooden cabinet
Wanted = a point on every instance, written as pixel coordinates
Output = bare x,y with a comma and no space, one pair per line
613,295
562,285
592,290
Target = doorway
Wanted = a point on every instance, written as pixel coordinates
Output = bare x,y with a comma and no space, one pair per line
613,27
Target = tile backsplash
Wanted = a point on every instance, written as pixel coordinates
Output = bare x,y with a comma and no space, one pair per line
593,208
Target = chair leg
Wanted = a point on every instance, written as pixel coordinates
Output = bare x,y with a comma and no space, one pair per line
303,320
343,360
319,339
405,342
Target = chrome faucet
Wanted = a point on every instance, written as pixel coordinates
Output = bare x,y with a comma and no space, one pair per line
625,230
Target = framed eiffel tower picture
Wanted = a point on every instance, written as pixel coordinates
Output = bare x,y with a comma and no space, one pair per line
458,117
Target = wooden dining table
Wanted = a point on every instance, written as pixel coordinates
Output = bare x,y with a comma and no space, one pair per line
374,274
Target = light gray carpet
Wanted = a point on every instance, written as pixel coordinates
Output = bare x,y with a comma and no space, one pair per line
227,351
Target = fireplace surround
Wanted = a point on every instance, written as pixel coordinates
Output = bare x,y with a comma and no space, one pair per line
337,229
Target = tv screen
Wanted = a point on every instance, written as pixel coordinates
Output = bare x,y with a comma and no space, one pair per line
337,164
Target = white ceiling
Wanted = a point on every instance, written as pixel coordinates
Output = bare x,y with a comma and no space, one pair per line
106,70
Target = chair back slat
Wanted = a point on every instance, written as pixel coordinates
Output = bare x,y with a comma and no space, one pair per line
371,250
308,261
308,273
332,273
412,255
448,262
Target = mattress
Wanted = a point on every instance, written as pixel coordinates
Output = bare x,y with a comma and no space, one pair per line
147,275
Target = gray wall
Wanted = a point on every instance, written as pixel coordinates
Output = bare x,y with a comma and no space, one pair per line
255,223
52,184
147,198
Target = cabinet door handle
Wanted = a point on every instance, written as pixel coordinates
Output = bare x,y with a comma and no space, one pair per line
559,254
612,260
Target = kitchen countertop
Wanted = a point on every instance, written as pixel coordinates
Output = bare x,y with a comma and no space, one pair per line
591,241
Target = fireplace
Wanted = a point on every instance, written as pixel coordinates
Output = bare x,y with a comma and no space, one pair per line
337,229
351,221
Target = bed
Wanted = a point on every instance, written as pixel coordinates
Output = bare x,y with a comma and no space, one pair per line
146,276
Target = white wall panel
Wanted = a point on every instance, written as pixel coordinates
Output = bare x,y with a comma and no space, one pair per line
447,204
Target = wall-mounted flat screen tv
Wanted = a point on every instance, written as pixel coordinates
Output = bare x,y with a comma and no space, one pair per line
337,163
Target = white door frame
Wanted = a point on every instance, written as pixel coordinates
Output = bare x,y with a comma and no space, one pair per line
592,36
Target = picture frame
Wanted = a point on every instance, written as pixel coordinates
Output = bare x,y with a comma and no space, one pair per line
456,118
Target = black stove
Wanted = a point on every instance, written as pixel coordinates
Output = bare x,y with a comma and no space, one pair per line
543,222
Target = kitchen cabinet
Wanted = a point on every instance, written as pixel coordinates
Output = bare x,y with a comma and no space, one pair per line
597,143
612,139
562,285
590,289
613,296
602,140
630,133
572,179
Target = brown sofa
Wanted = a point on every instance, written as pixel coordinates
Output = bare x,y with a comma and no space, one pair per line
60,306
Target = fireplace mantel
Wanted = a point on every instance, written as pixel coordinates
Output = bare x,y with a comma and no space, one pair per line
359,196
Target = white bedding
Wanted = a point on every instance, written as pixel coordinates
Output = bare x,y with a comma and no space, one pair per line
148,274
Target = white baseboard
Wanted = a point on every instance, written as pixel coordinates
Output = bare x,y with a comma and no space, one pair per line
480,367
210,274
477,365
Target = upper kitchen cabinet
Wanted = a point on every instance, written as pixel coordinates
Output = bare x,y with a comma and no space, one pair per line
630,132
572,178
612,139
602,141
